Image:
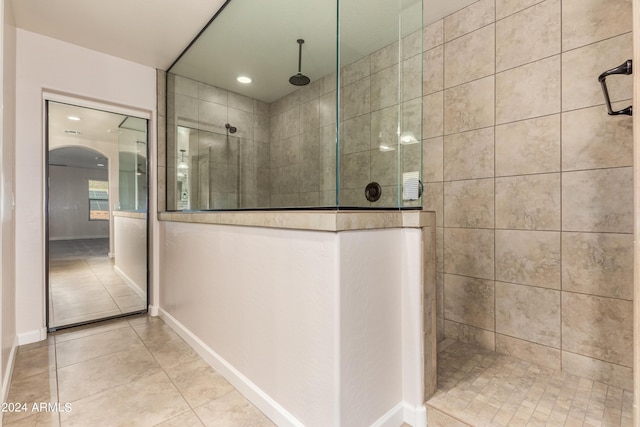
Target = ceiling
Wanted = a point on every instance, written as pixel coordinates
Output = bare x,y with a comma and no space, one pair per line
93,125
155,32
149,32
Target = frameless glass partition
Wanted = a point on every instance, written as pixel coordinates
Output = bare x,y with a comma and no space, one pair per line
132,147
269,108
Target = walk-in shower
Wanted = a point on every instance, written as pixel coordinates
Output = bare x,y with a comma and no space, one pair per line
318,139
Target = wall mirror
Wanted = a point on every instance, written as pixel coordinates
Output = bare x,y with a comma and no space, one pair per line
96,215
277,105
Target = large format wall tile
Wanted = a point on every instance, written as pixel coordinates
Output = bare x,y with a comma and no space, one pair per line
529,202
469,203
470,57
433,200
384,88
433,35
598,264
598,327
529,35
598,200
469,252
411,78
433,115
433,70
529,313
469,155
355,134
540,95
529,351
592,139
432,155
528,146
385,57
469,301
355,169
470,334
581,67
355,99
472,17
588,21
469,106
508,7
528,257
598,370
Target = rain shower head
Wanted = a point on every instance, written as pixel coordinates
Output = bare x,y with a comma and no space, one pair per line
299,79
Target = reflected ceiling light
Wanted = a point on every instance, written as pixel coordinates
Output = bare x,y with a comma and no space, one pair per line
74,118
244,79
72,132
408,138
383,147
100,164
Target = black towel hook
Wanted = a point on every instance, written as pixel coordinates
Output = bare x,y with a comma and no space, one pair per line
626,69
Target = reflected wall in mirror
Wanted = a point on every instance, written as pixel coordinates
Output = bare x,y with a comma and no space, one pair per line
97,215
358,120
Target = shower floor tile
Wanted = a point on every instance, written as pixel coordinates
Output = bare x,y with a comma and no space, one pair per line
478,388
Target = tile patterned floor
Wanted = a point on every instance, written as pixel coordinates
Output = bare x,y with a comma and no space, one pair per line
128,372
84,285
477,387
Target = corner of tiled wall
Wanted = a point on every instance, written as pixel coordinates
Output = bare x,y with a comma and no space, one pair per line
531,181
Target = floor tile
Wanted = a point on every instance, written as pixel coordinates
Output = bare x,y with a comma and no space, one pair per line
186,419
89,347
232,410
145,402
92,376
199,383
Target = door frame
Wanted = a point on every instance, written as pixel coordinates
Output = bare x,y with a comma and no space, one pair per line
636,214
51,96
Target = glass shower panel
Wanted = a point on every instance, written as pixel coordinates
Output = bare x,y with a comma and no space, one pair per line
380,114
292,146
216,171
132,147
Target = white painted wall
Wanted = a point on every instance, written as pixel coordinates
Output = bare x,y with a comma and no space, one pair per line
309,325
7,185
130,235
45,64
69,204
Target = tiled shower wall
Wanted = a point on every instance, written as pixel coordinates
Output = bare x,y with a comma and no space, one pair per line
532,181
207,109
377,92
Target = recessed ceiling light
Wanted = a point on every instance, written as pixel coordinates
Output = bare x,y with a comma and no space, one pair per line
244,79
74,118
72,132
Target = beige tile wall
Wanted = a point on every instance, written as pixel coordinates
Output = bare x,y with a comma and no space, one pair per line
531,181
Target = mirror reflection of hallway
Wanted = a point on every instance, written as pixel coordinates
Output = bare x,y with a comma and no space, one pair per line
97,222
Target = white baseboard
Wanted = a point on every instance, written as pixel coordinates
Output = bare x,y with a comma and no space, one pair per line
416,416
130,283
153,310
277,414
393,418
32,336
6,381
